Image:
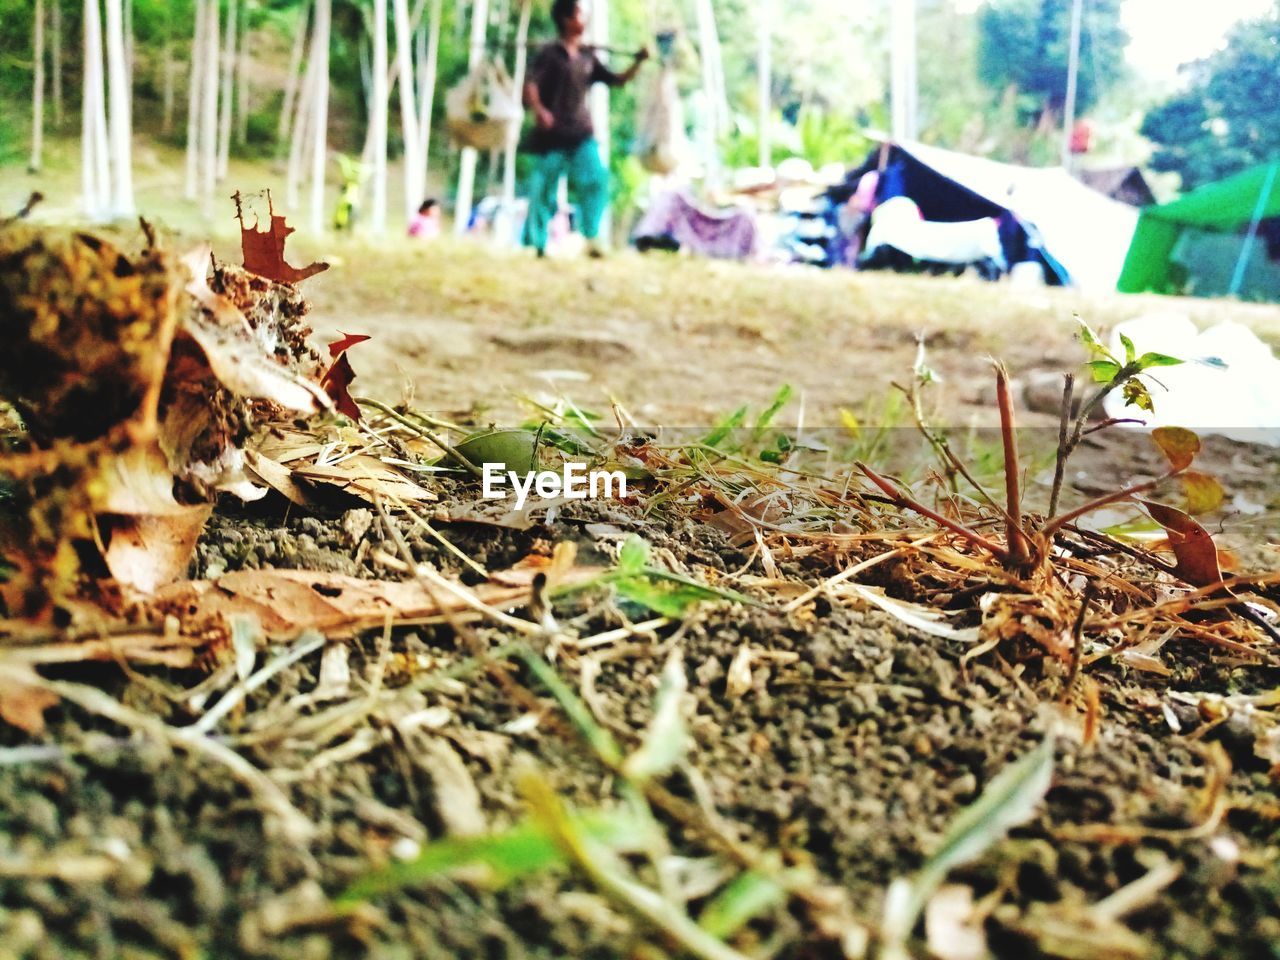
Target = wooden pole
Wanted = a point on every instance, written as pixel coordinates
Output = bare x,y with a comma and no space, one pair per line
467,164
378,117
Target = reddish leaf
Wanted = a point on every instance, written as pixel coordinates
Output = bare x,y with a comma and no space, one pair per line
337,379
1178,444
349,340
263,250
1193,547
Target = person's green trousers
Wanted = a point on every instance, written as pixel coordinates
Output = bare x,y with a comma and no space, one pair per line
588,181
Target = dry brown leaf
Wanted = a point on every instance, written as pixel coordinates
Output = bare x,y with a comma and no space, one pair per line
366,477
22,700
148,551
1193,546
287,602
263,250
235,356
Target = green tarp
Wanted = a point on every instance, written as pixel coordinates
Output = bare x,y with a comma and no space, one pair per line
1229,205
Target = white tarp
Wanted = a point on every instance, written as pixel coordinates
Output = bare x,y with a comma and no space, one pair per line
1084,230
1228,383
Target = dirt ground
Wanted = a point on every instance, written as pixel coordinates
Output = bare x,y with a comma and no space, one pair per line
856,742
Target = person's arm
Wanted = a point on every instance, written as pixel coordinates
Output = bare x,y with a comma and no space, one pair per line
533,102
543,117
604,75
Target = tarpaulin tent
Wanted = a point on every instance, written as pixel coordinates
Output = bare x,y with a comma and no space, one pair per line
1083,234
1226,207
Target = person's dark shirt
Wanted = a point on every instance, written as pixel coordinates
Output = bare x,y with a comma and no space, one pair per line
563,83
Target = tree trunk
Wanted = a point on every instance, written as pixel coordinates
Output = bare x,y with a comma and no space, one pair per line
128,57
413,182
764,78
195,79
378,116
522,58
294,80
167,93
37,89
228,89
121,114
96,172
209,106
55,59
243,63
319,155
428,58
300,140
467,165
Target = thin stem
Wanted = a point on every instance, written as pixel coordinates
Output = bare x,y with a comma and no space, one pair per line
421,431
1064,428
902,499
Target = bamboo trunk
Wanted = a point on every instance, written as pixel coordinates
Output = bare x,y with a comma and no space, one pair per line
300,140
467,165
522,59
378,116
37,89
209,106
96,171
319,154
195,78
413,174
428,58
55,59
227,98
243,62
294,80
121,114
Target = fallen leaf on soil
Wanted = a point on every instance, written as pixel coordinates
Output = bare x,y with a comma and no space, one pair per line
1193,547
366,477
337,379
147,552
22,701
263,250
286,602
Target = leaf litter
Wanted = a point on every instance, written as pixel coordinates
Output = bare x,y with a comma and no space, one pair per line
815,639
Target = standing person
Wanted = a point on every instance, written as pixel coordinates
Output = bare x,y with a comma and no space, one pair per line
563,137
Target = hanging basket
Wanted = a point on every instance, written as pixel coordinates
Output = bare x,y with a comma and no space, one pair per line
484,111
661,143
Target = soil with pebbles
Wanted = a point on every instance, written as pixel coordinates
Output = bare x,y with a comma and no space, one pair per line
852,757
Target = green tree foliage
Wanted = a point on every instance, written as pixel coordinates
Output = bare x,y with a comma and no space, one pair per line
1025,44
1228,116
